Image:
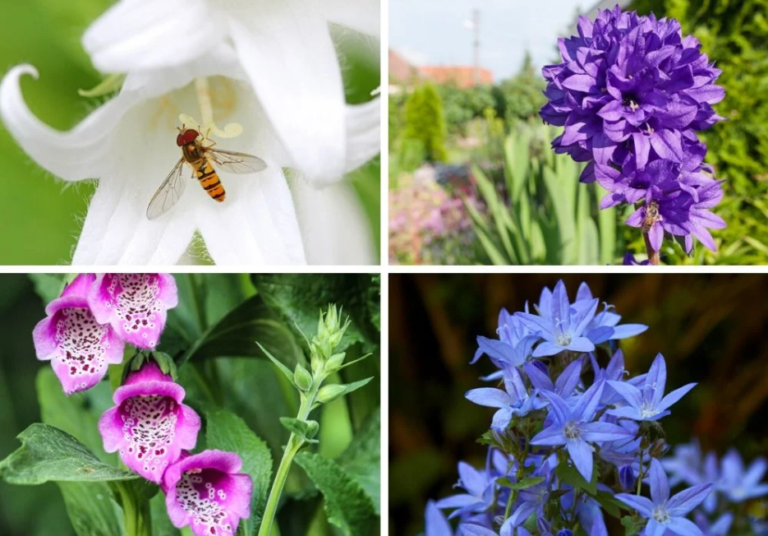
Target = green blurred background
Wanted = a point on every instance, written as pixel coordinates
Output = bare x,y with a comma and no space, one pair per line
710,329
473,179
249,386
46,214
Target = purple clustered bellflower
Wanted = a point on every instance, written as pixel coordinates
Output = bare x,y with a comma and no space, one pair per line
574,432
85,330
631,92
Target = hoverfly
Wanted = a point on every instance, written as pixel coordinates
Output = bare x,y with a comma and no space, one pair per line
651,216
201,159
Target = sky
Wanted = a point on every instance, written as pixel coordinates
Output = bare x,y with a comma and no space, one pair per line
432,32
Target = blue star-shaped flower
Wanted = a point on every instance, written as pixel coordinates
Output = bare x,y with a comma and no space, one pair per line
512,401
665,513
648,402
574,428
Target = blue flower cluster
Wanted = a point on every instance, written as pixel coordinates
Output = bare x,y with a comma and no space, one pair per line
571,441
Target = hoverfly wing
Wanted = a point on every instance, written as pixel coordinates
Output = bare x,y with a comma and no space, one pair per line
233,162
169,192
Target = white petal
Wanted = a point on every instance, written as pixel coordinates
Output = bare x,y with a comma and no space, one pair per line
149,34
333,224
72,155
116,231
363,133
361,15
256,225
287,52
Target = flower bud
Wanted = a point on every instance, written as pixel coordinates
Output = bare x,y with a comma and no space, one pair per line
335,362
302,378
330,392
565,532
627,477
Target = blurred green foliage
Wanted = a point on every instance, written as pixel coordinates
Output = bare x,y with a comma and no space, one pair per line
734,33
699,322
223,371
46,214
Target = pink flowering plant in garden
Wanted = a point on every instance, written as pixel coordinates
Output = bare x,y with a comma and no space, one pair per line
153,373
577,439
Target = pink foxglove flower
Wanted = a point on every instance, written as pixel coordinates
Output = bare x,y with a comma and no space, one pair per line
149,425
206,492
79,347
135,305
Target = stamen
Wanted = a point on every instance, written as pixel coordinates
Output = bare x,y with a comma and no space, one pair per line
208,125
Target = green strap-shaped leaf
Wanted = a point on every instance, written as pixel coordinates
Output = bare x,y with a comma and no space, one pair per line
48,454
235,334
226,431
91,508
329,393
346,504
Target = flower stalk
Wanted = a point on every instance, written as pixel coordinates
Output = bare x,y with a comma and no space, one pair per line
653,255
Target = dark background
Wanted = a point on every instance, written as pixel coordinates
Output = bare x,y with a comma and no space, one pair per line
710,328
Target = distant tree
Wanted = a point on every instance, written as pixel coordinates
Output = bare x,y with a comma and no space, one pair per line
522,94
424,121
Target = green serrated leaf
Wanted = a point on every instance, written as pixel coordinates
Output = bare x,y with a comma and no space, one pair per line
521,484
362,458
227,431
346,504
48,454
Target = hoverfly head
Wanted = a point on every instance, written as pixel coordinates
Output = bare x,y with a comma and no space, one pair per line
186,136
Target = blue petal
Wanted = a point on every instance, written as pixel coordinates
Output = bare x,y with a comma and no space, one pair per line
496,349
470,529
435,521
755,472
559,407
581,454
538,378
597,432
583,293
658,482
643,505
685,501
472,480
653,390
489,397
627,412
654,528
587,406
538,325
549,436
581,344
628,330
561,307
628,392
683,527
457,501
583,319
501,419
568,379
674,396
546,349
600,334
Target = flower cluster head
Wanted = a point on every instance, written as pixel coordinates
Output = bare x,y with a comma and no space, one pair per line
631,92
86,328
574,434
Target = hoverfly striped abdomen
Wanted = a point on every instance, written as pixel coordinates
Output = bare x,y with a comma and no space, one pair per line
209,180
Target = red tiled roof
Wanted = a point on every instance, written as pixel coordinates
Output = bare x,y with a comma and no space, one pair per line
400,70
461,76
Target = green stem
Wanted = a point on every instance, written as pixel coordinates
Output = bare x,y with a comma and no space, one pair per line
136,516
291,449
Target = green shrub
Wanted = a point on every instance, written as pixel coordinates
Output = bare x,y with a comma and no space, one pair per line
424,121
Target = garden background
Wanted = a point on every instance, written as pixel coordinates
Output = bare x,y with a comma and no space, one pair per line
710,329
223,314
474,181
44,214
